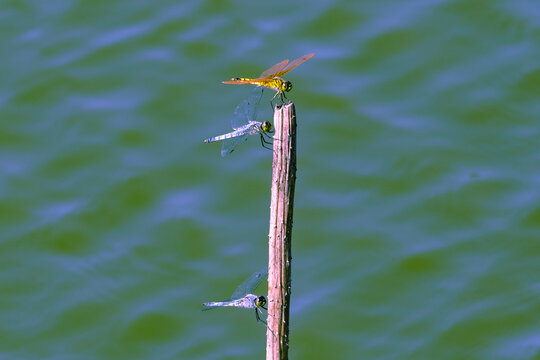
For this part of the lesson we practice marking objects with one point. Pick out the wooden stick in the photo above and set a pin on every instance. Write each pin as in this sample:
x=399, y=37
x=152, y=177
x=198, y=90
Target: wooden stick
x=281, y=220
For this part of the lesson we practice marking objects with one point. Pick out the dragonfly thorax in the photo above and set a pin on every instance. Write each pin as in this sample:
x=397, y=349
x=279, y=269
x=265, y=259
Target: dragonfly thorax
x=280, y=85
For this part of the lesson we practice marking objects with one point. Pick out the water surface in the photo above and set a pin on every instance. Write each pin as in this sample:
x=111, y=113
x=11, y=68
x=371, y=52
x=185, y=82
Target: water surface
x=416, y=218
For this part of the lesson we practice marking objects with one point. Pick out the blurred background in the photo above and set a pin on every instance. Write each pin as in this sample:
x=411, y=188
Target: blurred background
x=417, y=217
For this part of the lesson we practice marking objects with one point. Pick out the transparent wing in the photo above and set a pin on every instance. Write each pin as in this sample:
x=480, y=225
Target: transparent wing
x=240, y=115
x=274, y=69
x=231, y=143
x=294, y=64
x=248, y=286
x=245, y=111
x=253, y=100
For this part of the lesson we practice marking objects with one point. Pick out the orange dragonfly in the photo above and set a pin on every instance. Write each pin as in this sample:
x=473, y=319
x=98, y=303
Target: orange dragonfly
x=271, y=78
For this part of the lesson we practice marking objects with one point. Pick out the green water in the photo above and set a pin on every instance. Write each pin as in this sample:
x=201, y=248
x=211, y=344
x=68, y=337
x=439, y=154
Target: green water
x=417, y=218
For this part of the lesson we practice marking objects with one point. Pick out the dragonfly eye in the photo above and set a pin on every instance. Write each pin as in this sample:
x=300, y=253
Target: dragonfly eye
x=261, y=301
x=266, y=127
x=287, y=86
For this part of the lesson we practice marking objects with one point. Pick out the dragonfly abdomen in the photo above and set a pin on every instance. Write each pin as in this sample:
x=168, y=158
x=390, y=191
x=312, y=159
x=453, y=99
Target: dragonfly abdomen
x=226, y=136
x=275, y=83
x=245, y=302
x=219, y=303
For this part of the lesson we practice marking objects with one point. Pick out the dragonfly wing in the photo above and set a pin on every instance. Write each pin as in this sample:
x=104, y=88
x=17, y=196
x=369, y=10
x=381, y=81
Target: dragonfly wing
x=253, y=100
x=274, y=69
x=231, y=143
x=251, y=283
x=240, y=115
x=245, y=111
x=294, y=64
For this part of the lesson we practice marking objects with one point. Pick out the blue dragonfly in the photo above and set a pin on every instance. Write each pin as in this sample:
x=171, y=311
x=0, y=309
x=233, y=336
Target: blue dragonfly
x=244, y=124
x=243, y=296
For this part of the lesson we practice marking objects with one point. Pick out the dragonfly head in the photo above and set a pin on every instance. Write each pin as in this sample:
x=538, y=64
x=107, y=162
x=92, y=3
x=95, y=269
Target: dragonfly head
x=286, y=86
x=260, y=301
x=266, y=126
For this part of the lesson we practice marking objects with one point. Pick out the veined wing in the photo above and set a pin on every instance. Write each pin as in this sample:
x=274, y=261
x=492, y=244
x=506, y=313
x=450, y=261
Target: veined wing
x=251, y=283
x=245, y=111
x=240, y=115
x=293, y=64
x=253, y=100
x=273, y=70
x=231, y=143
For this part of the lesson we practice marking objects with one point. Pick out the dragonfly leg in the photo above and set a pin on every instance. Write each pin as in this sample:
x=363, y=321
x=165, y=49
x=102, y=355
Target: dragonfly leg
x=258, y=317
x=272, y=138
x=280, y=93
x=269, y=138
x=265, y=143
x=282, y=97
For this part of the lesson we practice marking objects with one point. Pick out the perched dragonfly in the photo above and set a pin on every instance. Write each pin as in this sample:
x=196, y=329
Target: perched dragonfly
x=243, y=297
x=244, y=124
x=271, y=78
